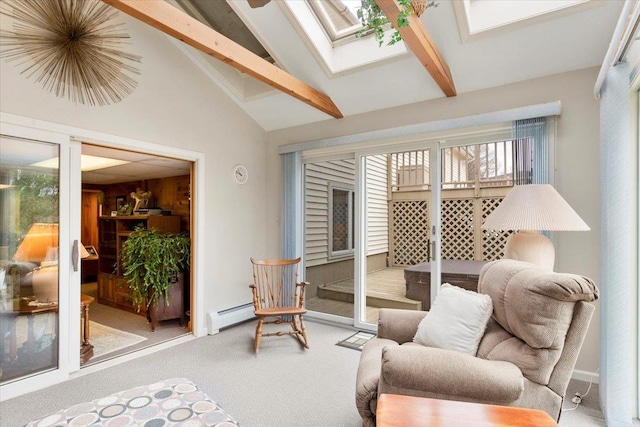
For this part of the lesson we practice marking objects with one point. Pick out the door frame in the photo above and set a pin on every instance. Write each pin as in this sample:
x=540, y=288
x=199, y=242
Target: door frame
x=70, y=140
x=360, y=258
x=66, y=234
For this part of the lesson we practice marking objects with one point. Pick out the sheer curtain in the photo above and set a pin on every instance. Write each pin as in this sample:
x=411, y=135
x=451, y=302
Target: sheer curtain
x=291, y=205
x=618, y=187
x=531, y=151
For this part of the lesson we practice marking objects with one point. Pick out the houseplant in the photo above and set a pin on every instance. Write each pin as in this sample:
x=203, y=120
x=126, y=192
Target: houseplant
x=373, y=19
x=151, y=262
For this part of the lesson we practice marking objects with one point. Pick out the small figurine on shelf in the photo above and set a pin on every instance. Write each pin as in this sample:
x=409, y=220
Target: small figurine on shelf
x=125, y=209
x=141, y=197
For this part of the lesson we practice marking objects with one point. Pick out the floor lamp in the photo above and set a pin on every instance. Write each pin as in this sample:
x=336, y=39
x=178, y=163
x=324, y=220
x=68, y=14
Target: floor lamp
x=530, y=209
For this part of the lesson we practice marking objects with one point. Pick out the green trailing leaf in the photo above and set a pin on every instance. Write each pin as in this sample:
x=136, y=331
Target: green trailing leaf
x=151, y=260
x=374, y=20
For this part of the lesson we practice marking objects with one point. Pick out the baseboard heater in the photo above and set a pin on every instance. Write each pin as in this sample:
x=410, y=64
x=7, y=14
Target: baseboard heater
x=217, y=320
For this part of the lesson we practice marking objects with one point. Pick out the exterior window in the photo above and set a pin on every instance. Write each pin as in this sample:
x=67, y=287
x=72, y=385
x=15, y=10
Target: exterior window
x=341, y=214
x=338, y=17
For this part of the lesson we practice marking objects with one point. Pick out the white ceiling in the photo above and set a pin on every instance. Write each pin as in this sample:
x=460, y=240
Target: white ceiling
x=563, y=43
x=140, y=167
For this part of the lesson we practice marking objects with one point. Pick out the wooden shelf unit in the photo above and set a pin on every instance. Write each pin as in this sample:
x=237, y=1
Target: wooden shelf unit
x=113, y=232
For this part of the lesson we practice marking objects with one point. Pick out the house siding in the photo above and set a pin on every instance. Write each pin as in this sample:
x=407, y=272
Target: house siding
x=318, y=177
x=377, y=205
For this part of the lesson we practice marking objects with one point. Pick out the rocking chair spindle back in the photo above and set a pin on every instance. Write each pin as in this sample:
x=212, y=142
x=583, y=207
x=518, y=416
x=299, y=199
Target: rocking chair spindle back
x=278, y=294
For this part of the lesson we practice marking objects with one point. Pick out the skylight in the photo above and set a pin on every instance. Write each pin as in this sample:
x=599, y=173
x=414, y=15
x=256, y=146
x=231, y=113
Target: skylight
x=483, y=17
x=329, y=28
x=337, y=17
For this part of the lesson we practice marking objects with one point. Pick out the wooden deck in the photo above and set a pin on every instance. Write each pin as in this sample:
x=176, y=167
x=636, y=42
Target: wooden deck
x=385, y=289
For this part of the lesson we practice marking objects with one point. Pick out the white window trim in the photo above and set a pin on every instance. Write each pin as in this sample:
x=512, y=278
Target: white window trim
x=635, y=117
x=332, y=255
x=442, y=129
x=332, y=33
x=478, y=19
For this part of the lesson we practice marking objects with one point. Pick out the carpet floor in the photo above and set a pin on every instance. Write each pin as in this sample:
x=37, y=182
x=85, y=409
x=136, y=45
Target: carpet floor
x=283, y=385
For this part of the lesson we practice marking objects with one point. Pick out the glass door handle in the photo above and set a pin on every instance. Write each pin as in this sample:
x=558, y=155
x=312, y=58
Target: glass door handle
x=74, y=255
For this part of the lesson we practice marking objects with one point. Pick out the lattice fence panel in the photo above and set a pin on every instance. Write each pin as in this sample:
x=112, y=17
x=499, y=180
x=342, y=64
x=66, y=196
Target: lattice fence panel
x=410, y=231
x=493, y=241
x=458, y=241
x=340, y=225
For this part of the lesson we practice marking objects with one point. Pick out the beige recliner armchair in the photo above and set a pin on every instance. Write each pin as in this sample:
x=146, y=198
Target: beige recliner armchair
x=525, y=358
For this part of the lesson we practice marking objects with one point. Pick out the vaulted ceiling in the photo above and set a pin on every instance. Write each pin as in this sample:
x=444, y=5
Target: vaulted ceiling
x=571, y=40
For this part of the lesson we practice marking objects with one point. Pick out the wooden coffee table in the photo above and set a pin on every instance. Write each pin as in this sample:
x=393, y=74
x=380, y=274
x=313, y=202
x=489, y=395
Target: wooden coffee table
x=394, y=410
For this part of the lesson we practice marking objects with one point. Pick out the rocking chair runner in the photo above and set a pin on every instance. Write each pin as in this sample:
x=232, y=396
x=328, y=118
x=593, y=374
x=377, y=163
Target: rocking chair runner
x=277, y=293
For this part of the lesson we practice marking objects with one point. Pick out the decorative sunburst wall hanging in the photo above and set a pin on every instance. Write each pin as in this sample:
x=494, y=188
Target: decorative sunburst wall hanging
x=73, y=47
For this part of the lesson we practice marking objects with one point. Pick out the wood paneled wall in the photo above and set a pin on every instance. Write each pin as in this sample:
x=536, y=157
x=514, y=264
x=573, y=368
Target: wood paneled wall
x=169, y=194
x=89, y=231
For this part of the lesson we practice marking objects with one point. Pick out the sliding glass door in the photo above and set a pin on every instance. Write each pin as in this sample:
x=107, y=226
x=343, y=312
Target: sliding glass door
x=367, y=217
x=36, y=275
x=330, y=235
x=394, y=229
x=398, y=257
x=29, y=247
x=383, y=228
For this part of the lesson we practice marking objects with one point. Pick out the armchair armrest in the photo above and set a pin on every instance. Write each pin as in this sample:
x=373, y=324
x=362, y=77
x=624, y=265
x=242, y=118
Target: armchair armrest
x=399, y=325
x=433, y=372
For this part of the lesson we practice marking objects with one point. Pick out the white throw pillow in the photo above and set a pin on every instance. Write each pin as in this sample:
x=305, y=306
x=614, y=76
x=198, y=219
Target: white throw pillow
x=457, y=320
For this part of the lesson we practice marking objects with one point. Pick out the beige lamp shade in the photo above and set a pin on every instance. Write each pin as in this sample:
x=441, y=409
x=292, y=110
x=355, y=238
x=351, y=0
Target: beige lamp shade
x=83, y=252
x=531, y=208
x=37, y=243
x=534, y=207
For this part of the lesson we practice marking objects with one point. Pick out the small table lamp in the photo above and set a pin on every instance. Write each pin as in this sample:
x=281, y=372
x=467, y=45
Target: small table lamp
x=531, y=208
x=40, y=246
x=40, y=238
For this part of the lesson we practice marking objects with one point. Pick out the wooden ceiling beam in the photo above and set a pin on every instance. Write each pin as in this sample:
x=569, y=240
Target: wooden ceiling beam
x=418, y=40
x=171, y=21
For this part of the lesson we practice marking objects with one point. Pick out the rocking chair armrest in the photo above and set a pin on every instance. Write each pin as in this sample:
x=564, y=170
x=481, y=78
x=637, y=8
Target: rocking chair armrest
x=303, y=284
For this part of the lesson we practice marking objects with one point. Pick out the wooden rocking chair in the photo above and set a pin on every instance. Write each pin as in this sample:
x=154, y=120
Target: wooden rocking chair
x=277, y=293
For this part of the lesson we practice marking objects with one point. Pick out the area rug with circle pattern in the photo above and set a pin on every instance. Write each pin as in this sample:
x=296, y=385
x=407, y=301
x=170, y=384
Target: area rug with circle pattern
x=176, y=401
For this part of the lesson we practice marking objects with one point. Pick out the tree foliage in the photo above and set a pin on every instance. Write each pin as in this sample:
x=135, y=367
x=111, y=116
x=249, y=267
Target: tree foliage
x=39, y=198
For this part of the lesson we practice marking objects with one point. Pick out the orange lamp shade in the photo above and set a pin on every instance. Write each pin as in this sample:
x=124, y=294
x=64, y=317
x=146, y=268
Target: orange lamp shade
x=39, y=239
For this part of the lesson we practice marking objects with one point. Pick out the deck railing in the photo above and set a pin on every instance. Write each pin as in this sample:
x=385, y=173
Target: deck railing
x=475, y=166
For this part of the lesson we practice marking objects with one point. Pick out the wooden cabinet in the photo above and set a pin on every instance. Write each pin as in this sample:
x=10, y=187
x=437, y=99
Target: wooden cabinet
x=106, y=288
x=175, y=310
x=113, y=232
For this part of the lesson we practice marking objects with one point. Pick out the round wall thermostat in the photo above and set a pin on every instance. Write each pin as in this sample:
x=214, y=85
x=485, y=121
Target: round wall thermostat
x=240, y=174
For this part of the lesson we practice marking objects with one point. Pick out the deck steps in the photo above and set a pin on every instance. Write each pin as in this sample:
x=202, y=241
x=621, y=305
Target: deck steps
x=374, y=298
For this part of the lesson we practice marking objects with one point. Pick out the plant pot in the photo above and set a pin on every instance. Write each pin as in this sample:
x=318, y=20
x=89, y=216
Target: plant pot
x=161, y=311
x=419, y=6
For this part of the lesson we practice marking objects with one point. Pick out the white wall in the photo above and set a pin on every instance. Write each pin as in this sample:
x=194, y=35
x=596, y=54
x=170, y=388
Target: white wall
x=576, y=157
x=176, y=105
